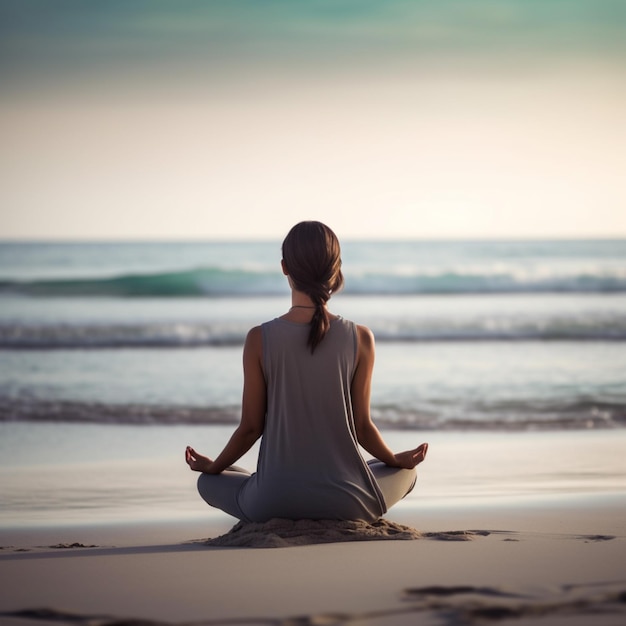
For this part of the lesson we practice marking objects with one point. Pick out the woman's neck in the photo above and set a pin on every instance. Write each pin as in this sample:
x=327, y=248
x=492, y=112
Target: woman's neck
x=302, y=308
x=300, y=300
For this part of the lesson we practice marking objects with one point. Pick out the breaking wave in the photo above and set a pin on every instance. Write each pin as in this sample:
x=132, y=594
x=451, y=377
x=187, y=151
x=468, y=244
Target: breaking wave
x=217, y=282
x=197, y=334
x=498, y=416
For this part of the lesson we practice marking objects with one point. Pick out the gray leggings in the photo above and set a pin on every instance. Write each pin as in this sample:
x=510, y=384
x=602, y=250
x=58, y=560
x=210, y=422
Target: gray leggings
x=220, y=490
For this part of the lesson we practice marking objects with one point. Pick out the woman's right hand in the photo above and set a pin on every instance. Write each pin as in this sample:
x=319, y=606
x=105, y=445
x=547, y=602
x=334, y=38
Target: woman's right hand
x=410, y=458
x=197, y=462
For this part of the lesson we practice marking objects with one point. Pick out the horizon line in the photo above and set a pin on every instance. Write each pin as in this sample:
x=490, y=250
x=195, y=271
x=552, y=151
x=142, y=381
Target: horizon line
x=346, y=238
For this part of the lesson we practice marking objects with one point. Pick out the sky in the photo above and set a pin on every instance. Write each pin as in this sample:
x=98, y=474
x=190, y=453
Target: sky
x=199, y=119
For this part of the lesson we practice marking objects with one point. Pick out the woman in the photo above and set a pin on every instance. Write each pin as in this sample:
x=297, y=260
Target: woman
x=307, y=380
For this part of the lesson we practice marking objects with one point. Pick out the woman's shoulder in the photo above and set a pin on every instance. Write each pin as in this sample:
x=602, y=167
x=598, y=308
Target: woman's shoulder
x=364, y=335
x=254, y=336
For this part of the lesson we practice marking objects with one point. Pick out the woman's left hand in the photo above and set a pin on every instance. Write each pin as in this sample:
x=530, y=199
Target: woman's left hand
x=197, y=462
x=411, y=458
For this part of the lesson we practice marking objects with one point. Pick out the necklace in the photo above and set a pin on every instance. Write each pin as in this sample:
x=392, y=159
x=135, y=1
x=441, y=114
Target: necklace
x=301, y=306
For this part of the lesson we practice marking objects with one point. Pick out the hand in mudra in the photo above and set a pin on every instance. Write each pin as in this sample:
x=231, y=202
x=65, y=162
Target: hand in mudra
x=410, y=458
x=197, y=462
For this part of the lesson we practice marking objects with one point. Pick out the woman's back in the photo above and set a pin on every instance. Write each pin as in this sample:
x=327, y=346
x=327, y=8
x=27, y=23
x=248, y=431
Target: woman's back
x=309, y=463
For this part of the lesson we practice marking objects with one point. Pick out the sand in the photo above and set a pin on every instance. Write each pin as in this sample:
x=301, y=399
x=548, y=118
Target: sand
x=563, y=563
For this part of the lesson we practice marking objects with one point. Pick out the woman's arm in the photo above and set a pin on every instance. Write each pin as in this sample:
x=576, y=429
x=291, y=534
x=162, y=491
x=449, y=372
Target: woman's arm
x=253, y=409
x=367, y=432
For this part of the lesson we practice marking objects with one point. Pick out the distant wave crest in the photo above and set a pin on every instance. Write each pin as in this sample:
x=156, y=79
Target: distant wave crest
x=217, y=282
x=198, y=282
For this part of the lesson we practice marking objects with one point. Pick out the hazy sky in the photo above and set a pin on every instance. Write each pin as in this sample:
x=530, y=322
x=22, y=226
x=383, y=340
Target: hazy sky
x=396, y=118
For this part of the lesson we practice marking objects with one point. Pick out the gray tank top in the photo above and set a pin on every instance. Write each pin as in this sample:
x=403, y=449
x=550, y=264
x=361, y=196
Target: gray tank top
x=310, y=465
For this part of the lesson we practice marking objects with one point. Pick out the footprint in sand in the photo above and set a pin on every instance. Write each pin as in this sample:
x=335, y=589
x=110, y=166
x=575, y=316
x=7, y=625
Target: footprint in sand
x=594, y=538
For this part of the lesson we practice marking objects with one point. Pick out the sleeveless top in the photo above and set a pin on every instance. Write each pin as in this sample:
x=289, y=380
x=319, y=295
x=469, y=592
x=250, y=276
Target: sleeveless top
x=310, y=465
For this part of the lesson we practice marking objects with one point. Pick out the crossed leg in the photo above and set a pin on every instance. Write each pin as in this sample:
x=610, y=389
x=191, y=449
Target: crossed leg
x=221, y=490
x=394, y=482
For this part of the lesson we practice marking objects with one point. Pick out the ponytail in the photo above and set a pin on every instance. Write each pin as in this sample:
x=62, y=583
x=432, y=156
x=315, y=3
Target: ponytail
x=320, y=323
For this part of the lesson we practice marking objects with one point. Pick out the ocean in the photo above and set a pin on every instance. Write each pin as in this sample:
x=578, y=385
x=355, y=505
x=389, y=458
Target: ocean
x=113, y=356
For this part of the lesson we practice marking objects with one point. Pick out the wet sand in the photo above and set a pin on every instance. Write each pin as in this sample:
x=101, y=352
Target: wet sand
x=546, y=565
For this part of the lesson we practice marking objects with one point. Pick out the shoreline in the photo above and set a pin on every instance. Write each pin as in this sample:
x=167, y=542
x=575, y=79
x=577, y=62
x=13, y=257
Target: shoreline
x=523, y=514
x=109, y=474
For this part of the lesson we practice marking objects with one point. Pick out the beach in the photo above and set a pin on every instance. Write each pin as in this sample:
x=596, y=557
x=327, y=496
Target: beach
x=507, y=358
x=536, y=556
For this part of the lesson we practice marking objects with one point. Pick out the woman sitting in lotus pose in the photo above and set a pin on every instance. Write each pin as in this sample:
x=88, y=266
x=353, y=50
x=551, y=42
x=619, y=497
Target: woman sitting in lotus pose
x=307, y=380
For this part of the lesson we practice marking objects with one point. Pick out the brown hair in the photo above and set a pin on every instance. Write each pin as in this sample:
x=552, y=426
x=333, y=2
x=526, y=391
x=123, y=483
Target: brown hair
x=312, y=258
